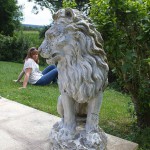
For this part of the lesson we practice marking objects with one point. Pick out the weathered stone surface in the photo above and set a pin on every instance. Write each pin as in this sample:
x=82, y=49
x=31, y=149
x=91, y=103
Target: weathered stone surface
x=25, y=128
x=79, y=141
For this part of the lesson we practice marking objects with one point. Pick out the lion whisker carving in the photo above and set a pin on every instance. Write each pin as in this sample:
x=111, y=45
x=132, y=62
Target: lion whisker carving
x=74, y=43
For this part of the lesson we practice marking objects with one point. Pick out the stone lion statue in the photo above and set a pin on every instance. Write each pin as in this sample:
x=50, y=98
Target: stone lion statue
x=73, y=42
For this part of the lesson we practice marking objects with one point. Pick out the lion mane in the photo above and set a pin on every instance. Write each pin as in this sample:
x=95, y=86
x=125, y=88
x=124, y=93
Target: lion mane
x=82, y=64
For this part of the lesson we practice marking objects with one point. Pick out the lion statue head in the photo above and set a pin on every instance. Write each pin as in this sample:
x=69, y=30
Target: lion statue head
x=77, y=46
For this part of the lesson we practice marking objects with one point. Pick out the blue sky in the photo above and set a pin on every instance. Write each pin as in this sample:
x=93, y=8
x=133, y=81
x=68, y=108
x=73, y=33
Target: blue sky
x=42, y=18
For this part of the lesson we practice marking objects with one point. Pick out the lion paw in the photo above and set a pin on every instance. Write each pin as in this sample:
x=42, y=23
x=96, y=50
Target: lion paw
x=65, y=134
x=58, y=125
x=93, y=138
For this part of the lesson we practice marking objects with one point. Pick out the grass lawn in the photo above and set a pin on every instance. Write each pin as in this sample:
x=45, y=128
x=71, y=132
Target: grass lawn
x=115, y=118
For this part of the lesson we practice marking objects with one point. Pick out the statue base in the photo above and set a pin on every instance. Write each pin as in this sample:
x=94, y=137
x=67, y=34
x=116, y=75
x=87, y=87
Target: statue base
x=80, y=140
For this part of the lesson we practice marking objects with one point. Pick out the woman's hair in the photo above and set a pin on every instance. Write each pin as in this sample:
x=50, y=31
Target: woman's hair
x=32, y=51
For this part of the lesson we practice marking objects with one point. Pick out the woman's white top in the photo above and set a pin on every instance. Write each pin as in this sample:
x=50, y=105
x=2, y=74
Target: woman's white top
x=36, y=74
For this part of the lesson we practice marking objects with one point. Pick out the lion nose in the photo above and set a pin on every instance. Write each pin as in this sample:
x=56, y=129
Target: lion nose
x=42, y=46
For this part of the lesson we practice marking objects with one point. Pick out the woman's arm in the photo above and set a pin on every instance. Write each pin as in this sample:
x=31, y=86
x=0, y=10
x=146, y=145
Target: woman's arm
x=20, y=76
x=26, y=78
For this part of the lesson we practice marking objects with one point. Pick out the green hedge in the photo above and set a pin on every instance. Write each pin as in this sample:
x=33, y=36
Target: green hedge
x=13, y=48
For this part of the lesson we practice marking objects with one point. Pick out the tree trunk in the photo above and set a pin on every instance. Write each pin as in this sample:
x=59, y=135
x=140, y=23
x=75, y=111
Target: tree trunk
x=142, y=112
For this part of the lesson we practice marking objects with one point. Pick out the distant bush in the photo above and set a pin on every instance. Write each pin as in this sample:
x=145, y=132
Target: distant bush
x=31, y=36
x=35, y=41
x=14, y=49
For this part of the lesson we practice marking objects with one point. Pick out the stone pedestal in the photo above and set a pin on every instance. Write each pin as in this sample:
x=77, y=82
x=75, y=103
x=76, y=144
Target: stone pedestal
x=80, y=141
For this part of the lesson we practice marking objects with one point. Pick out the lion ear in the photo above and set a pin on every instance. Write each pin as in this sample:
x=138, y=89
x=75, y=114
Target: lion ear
x=69, y=13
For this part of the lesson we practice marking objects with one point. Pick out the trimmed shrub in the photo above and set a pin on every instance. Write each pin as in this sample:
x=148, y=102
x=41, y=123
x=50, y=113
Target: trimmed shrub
x=13, y=48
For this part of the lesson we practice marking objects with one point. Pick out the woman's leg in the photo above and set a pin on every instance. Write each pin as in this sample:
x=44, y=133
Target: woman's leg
x=48, y=78
x=48, y=68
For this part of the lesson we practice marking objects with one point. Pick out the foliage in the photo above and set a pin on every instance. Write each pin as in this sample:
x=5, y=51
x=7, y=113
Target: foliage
x=114, y=116
x=68, y=3
x=15, y=48
x=43, y=30
x=32, y=36
x=10, y=16
x=125, y=28
x=54, y=5
x=35, y=41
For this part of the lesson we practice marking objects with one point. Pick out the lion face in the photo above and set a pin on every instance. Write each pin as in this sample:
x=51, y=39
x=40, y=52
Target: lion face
x=52, y=43
x=56, y=42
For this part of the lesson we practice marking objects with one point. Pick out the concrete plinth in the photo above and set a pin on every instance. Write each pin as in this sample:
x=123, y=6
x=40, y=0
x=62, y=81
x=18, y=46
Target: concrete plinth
x=25, y=128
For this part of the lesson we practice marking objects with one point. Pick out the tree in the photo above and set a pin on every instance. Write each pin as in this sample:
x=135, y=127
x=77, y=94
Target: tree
x=125, y=28
x=9, y=16
x=54, y=5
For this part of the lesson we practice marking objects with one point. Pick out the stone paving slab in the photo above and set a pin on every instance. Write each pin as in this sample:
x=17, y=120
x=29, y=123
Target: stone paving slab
x=25, y=128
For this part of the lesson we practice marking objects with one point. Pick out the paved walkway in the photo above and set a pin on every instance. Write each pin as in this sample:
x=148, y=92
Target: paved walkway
x=25, y=128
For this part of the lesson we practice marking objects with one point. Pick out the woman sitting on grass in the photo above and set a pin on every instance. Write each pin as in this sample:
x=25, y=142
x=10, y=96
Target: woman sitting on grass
x=32, y=73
